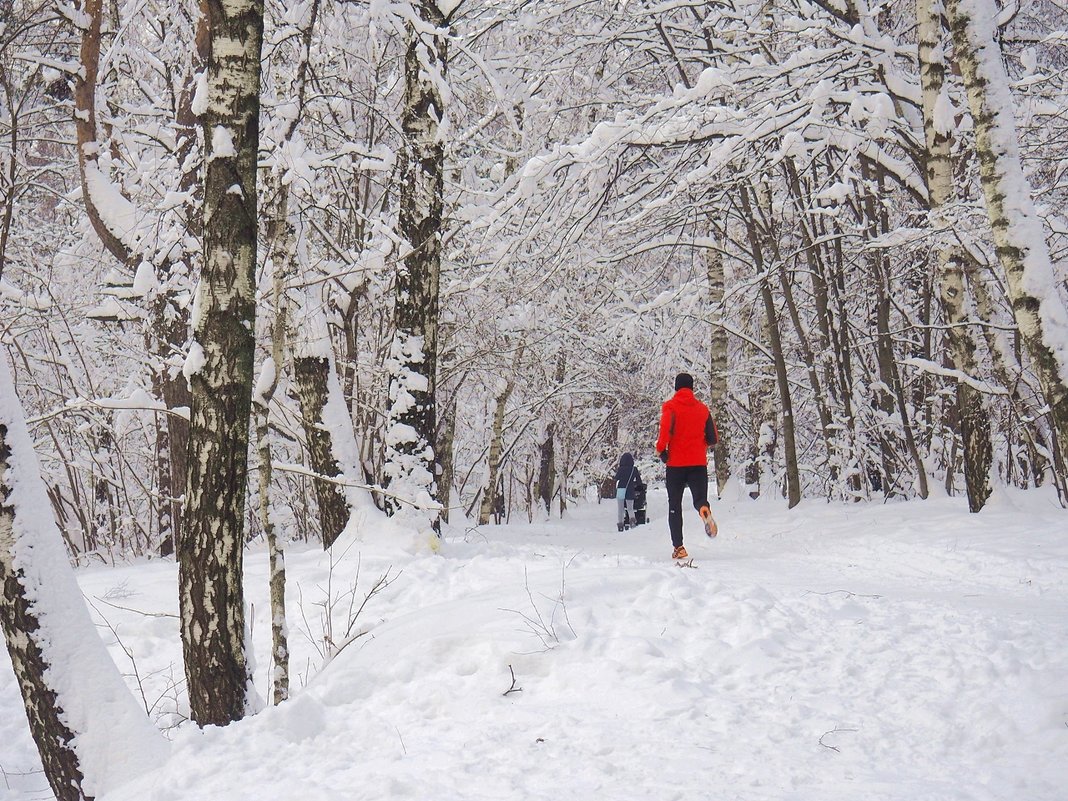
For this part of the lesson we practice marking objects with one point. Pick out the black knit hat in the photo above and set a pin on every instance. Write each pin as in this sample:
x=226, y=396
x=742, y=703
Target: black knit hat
x=683, y=381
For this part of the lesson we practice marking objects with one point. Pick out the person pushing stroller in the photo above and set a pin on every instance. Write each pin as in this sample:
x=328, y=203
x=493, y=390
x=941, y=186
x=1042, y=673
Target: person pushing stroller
x=628, y=482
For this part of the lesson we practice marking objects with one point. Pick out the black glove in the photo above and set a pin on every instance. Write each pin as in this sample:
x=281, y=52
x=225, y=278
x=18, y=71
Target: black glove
x=664, y=456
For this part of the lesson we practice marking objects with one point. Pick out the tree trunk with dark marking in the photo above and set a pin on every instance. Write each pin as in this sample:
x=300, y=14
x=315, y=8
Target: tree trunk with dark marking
x=311, y=375
x=974, y=421
x=43, y=710
x=411, y=464
x=1019, y=236
x=219, y=369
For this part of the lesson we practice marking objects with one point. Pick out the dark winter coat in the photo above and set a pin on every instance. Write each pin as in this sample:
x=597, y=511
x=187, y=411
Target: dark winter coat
x=627, y=475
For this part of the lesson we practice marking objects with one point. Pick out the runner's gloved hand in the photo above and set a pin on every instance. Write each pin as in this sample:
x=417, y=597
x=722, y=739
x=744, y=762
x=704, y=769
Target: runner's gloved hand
x=664, y=456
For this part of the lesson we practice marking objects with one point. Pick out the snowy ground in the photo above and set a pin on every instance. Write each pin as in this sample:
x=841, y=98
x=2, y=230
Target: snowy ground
x=903, y=651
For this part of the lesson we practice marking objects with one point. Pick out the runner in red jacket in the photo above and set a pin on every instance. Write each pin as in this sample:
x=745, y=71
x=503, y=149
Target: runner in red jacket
x=687, y=431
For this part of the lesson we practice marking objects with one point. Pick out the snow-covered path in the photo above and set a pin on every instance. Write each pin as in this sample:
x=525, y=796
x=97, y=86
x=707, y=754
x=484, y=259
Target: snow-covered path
x=902, y=651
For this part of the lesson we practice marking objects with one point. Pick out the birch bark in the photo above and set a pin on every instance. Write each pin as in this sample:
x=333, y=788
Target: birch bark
x=219, y=369
x=27, y=648
x=88, y=728
x=411, y=464
x=974, y=421
x=265, y=390
x=311, y=374
x=1019, y=238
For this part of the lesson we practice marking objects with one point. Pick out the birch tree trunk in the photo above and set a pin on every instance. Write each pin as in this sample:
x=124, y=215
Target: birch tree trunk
x=88, y=728
x=718, y=363
x=312, y=362
x=411, y=464
x=1019, y=237
x=44, y=708
x=265, y=390
x=974, y=421
x=219, y=369
x=312, y=376
x=282, y=243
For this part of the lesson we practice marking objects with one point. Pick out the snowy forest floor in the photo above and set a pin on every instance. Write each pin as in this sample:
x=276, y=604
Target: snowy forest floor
x=833, y=652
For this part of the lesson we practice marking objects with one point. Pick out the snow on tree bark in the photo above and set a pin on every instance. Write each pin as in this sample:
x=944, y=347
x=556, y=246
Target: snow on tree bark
x=411, y=465
x=975, y=423
x=107, y=209
x=312, y=354
x=22, y=630
x=265, y=389
x=311, y=374
x=332, y=448
x=278, y=231
x=1019, y=238
x=88, y=728
x=210, y=566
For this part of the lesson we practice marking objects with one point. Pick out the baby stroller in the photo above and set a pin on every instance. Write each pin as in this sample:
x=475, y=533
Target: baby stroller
x=640, y=517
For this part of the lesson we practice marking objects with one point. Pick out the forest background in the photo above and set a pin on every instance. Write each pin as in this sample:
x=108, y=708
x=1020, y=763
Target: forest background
x=743, y=190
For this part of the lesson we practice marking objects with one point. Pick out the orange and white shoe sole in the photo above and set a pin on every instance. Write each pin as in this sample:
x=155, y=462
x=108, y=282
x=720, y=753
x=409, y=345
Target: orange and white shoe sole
x=711, y=529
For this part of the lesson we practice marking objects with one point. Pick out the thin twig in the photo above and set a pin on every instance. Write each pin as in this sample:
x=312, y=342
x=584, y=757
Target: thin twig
x=835, y=730
x=513, y=688
x=847, y=593
x=137, y=611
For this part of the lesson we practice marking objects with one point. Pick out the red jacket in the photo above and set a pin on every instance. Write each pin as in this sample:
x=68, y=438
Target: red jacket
x=686, y=430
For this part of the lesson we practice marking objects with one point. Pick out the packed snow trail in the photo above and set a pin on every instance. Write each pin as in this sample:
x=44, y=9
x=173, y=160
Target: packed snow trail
x=898, y=651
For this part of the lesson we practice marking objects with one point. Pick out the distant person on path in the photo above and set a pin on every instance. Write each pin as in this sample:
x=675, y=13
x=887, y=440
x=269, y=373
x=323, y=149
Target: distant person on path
x=627, y=481
x=687, y=431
